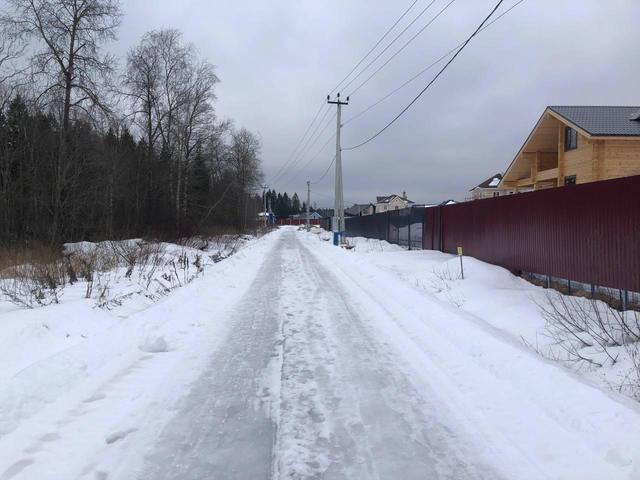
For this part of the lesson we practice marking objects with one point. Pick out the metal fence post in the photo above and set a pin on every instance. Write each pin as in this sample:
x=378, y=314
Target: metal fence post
x=409, y=229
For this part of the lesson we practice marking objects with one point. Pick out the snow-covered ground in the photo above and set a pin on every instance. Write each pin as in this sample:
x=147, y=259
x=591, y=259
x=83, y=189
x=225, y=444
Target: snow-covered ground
x=513, y=306
x=296, y=359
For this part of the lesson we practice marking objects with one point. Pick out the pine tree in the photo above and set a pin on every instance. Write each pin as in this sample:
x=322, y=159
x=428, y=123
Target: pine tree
x=295, y=204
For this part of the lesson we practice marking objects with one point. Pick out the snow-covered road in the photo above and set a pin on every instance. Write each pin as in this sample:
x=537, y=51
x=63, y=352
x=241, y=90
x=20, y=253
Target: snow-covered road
x=305, y=361
x=303, y=389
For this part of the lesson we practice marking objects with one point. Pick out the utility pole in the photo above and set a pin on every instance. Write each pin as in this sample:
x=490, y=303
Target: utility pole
x=264, y=205
x=338, y=212
x=308, y=202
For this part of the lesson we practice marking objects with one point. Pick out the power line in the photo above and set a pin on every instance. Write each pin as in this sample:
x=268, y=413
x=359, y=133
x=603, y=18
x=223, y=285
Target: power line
x=402, y=48
x=307, y=146
x=301, y=140
x=429, y=67
x=295, y=175
x=325, y=172
x=389, y=30
x=375, y=46
x=402, y=112
x=424, y=10
x=317, y=154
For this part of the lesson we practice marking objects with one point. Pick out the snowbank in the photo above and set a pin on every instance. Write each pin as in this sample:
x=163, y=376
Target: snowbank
x=112, y=312
x=500, y=300
x=372, y=245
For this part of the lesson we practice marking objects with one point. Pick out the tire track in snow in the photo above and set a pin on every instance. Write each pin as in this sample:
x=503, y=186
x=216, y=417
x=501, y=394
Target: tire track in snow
x=225, y=427
x=374, y=423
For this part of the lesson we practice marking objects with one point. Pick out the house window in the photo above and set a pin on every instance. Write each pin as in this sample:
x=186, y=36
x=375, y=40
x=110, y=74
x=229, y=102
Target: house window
x=496, y=194
x=570, y=139
x=569, y=180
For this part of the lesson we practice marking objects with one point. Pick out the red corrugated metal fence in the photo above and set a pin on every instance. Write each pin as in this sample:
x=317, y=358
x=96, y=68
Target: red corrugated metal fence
x=296, y=221
x=587, y=233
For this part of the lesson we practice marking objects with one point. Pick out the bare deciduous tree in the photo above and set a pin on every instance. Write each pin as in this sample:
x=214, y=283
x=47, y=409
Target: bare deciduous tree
x=68, y=59
x=244, y=157
x=174, y=93
x=68, y=62
x=77, y=162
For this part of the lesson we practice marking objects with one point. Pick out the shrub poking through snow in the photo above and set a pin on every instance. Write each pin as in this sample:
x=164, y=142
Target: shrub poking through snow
x=589, y=333
x=112, y=272
x=33, y=278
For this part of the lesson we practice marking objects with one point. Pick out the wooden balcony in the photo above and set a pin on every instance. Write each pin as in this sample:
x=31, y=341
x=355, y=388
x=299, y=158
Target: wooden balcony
x=550, y=174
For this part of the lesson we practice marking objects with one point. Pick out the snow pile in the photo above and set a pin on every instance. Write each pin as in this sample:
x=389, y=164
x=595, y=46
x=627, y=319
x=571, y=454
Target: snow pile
x=372, y=245
x=156, y=345
x=321, y=233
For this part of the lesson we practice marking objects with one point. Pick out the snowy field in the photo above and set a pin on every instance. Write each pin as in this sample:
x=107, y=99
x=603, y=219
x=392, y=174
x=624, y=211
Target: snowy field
x=296, y=359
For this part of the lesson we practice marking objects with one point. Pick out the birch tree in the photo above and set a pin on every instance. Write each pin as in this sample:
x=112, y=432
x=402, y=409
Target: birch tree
x=174, y=93
x=67, y=36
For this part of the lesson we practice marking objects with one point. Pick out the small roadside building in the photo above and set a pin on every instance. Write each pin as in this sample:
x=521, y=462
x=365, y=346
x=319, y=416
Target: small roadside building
x=577, y=144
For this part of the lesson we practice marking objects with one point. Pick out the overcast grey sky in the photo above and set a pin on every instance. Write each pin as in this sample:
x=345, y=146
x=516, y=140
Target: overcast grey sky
x=278, y=59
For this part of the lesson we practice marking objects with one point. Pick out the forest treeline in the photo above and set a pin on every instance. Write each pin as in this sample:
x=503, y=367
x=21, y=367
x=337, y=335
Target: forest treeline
x=283, y=205
x=95, y=147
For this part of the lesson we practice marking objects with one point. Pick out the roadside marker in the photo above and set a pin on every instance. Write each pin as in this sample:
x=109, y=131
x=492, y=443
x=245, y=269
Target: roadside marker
x=461, y=267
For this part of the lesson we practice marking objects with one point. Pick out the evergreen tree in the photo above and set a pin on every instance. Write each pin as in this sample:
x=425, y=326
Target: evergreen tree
x=295, y=204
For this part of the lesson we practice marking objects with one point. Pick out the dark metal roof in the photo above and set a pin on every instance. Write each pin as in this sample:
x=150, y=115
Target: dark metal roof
x=602, y=121
x=357, y=208
x=388, y=198
x=488, y=182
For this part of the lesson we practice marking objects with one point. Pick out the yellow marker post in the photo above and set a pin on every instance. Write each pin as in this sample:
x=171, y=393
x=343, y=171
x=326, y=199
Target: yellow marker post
x=461, y=267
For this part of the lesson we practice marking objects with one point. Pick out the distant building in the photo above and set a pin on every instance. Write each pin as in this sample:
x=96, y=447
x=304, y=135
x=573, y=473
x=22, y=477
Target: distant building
x=325, y=212
x=392, y=202
x=267, y=218
x=360, y=209
x=303, y=216
x=489, y=188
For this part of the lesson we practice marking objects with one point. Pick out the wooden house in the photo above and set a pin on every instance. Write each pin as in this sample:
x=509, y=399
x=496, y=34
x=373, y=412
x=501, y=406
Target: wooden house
x=571, y=145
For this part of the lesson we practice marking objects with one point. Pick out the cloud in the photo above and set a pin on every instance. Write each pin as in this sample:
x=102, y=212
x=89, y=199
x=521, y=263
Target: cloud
x=278, y=59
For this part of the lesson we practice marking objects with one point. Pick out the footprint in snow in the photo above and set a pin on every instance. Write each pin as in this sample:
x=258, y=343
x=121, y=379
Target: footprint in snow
x=50, y=437
x=95, y=398
x=116, y=436
x=16, y=468
x=157, y=345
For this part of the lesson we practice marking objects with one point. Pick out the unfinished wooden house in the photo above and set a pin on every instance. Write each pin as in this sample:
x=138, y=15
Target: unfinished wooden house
x=571, y=145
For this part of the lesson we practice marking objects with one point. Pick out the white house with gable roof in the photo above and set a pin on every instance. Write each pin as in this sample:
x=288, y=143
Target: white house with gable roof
x=392, y=202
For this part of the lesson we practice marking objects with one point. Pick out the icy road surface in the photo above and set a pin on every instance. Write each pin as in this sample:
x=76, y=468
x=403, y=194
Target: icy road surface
x=321, y=366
